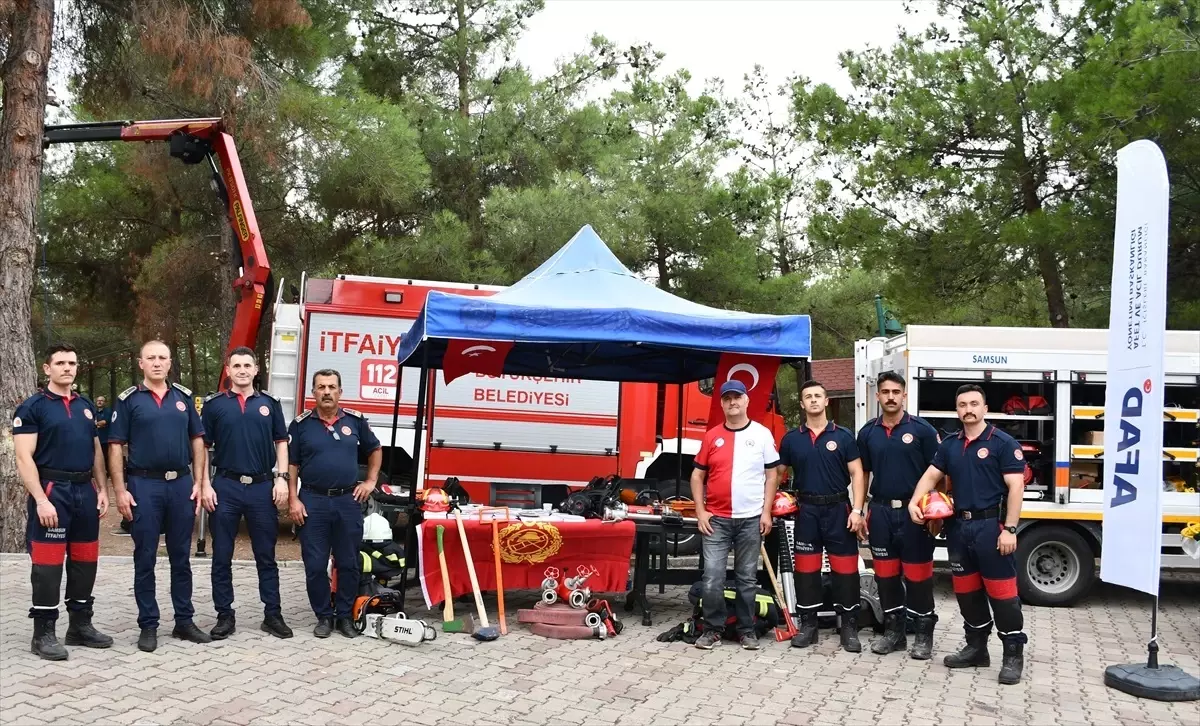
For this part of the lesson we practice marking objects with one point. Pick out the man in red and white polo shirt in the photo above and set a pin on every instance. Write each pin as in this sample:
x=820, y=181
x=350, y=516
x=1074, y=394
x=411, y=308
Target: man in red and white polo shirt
x=734, y=475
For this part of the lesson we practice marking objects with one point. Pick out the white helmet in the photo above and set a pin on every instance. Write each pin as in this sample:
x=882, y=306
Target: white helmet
x=376, y=528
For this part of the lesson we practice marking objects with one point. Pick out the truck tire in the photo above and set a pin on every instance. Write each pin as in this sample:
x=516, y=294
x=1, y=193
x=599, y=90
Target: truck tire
x=682, y=544
x=1055, y=566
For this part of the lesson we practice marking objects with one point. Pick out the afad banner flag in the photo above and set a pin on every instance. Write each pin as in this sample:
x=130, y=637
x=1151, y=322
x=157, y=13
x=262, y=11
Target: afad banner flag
x=756, y=372
x=474, y=356
x=1133, y=401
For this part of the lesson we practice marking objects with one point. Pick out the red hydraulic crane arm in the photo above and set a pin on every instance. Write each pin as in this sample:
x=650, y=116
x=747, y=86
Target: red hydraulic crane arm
x=194, y=141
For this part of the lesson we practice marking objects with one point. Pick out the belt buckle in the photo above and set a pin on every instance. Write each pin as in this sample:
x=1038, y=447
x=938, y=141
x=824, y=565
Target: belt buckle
x=966, y=514
x=897, y=504
x=246, y=479
x=171, y=475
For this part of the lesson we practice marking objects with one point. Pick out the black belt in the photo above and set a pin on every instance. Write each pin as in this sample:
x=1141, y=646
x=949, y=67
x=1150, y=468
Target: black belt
x=329, y=492
x=59, y=475
x=157, y=474
x=243, y=478
x=824, y=498
x=993, y=513
x=891, y=503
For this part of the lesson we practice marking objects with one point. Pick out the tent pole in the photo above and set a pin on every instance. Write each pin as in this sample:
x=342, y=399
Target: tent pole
x=679, y=437
x=391, y=465
x=410, y=530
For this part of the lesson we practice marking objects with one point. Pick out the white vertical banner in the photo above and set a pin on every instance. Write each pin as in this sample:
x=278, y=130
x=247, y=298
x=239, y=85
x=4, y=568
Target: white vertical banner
x=1133, y=405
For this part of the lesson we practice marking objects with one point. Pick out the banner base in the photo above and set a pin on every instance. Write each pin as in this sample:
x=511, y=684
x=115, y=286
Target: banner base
x=1165, y=683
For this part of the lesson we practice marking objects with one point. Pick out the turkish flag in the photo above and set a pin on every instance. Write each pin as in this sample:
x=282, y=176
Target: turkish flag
x=756, y=371
x=474, y=356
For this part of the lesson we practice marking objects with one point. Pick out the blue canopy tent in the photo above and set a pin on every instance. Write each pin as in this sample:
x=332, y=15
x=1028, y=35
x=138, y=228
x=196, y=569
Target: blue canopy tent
x=582, y=314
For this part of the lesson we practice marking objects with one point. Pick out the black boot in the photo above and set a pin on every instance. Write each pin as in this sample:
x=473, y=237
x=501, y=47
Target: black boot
x=225, y=627
x=345, y=626
x=808, y=631
x=850, y=642
x=81, y=632
x=45, y=643
x=189, y=632
x=923, y=638
x=1013, y=663
x=148, y=640
x=324, y=627
x=894, y=638
x=974, y=654
x=274, y=625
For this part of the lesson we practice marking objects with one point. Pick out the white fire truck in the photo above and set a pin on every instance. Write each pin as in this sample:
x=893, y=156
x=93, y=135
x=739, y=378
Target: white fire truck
x=1045, y=387
x=515, y=440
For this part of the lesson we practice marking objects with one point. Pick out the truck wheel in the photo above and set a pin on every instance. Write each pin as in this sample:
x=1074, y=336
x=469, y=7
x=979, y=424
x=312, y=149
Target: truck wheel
x=673, y=490
x=1055, y=566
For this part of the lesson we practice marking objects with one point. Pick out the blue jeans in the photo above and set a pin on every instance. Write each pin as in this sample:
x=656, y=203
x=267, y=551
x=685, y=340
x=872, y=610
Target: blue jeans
x=743, y=537
x=162, y=503
x=234, y=500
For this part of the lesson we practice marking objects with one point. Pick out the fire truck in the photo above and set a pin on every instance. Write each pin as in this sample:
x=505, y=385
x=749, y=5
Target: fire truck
x=1045, y=387
x=515, y=440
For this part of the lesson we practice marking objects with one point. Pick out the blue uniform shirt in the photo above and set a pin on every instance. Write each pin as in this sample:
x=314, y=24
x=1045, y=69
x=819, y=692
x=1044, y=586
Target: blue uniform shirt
x=65, y=428
x=102, y=416
x=897, y=456
x=243, y=431
x=820, y=460
x=976, y=467
x=158, y=431
x=327, y=453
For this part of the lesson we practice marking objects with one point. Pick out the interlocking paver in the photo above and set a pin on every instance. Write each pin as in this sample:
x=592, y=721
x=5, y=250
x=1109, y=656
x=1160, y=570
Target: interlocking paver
x=253, y=678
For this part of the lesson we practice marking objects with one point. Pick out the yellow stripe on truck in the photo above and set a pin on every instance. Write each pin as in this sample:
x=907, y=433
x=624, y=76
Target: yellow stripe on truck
x=1098, y=516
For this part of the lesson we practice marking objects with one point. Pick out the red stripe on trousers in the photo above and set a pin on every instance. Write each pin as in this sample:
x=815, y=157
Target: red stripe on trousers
x=1005, y=589
x=918, y=571
x=967, y=583
x=84, y=551
x=807, y=563
x=887, y=568
x=47, y=553
x=843, y=564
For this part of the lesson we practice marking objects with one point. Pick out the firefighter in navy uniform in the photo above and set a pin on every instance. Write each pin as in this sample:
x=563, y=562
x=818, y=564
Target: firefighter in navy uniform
x=159, y=423
x=323, y=449
x=248, y=434
x=986, y=469
x=896, y=450
x=61, y=465
x=826, y=463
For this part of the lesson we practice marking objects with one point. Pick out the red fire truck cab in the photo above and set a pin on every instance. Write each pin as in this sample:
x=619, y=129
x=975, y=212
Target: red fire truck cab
x=512, y=439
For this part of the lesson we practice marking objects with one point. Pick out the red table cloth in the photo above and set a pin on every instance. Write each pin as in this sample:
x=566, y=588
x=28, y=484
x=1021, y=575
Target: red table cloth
x=527, y=549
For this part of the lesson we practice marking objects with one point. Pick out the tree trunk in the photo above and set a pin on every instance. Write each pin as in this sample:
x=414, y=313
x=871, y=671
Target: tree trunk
x=464, y=68
x=23, y=74
x=193, y=381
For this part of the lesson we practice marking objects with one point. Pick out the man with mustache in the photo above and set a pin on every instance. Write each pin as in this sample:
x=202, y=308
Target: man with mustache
x=986, y=467
x=825, y=461
x=160, y=424
x=323, y=454
x=896, y=450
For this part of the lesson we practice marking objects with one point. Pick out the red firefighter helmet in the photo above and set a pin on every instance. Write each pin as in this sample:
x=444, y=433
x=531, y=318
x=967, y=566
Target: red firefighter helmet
x=434, y=499
x=784, y=504
x=937, y=505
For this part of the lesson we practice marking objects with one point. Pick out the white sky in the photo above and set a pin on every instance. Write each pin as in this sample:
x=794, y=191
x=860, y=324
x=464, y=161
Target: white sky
x=723, y=38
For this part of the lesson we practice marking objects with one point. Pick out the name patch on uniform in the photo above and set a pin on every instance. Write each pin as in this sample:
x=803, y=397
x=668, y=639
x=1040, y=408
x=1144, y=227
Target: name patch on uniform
x=345, y=430
x=982, y=453
x=264, y=410
x=179, y=405
x=87, y=412
x=907, y=438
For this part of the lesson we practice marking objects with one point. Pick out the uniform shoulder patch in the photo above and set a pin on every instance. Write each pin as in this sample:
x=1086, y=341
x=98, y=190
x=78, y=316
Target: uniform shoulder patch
x=352, y=412
x=304, y=415
x=211, y=396
x=186, y=391
x=270, y=395
x=125, y=394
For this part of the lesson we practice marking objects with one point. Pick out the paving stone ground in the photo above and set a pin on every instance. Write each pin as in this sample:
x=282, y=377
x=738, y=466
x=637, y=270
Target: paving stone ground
x=524, y=679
